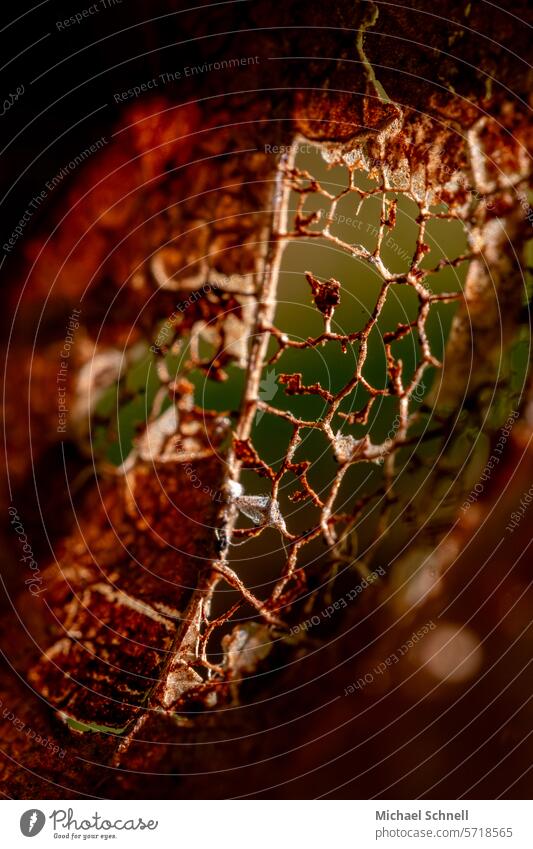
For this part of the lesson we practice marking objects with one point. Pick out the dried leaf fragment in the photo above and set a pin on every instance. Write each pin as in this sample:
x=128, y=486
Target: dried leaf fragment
x=294, y=386
x=325, y=295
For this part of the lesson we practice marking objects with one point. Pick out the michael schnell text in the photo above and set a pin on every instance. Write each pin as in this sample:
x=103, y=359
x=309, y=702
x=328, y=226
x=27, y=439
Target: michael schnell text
x=393, y=816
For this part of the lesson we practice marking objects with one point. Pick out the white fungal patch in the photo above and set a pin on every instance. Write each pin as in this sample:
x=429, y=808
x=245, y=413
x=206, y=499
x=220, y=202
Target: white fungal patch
x=348, y=449
x=263, y=510
x=235, y=489
x=178, y=682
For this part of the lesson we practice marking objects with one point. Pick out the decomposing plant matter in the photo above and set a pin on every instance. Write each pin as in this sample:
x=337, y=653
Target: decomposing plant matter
x=155, y=625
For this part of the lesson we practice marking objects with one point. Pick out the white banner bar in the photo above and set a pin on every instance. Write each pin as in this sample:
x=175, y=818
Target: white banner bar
x=267, y=824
